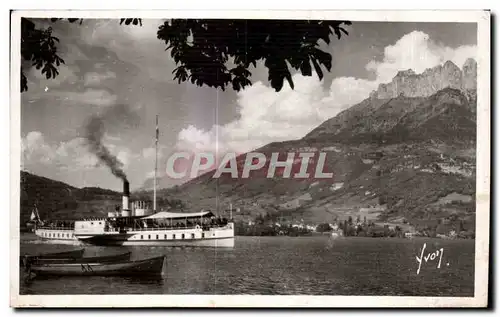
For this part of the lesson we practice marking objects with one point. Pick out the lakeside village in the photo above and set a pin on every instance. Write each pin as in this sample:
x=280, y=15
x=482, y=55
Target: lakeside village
x=267, y=226
x=270, y=224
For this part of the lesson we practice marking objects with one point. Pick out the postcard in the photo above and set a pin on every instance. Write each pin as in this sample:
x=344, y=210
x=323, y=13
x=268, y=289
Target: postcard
x=250, y=158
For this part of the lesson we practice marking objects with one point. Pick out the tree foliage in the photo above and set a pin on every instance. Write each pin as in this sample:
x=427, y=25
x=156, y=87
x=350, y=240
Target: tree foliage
x=203, y=48
x=39, y=47
x=214, y=53
x=323, y=227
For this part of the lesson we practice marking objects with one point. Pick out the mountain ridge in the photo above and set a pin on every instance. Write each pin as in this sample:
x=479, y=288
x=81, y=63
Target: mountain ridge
x=378, y=120
x=403, y=158
x=411, y=84
x=398, y=158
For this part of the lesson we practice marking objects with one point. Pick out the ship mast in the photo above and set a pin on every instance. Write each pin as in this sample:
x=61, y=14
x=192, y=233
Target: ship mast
x=156, y=165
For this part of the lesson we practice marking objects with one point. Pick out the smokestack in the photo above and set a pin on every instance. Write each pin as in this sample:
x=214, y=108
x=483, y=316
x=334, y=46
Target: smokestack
x=126, y=195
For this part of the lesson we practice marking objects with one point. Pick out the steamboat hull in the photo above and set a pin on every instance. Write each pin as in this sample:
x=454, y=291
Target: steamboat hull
x=62, y=236
x=159, y=238
x=217, y=243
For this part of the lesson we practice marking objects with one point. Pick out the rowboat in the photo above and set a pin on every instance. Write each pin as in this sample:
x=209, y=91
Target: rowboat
x=74, y=254
x=59, y=255
x=95, y=259
x=141, y=268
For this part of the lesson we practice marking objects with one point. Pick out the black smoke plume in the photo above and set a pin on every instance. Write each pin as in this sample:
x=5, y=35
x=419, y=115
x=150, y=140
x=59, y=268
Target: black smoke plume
x=95, y=134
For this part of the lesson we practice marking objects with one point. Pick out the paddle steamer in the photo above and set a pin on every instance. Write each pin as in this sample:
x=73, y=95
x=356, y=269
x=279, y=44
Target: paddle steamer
x=139, y=224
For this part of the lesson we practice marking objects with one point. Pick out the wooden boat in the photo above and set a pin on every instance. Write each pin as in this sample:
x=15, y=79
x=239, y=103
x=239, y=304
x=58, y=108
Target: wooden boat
x=95, y=259
x=141, y=268
x=74, y=254
x=59, y=255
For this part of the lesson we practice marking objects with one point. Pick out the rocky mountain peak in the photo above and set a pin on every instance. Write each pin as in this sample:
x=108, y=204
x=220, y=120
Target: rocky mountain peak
x=448, y=75
x=470, y=74
x=470, y=62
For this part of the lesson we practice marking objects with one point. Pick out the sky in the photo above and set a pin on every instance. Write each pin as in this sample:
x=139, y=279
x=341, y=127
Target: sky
x=124, y=75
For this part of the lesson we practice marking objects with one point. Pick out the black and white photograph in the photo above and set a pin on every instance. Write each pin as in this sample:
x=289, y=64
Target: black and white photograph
x=305, y=158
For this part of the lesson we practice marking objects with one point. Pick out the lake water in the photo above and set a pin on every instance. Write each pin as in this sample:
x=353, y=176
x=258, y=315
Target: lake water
x=318, y=265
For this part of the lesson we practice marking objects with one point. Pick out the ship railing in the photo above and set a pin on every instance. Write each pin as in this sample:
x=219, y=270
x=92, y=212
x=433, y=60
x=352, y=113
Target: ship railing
x=55, y=228
x=205, y=228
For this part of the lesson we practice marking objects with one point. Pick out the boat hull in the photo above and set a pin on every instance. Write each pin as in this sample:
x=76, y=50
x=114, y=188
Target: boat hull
x=96, y=259
x=59, y=255
x=217, y=243
x=185, y=237
x=73, y=254
x=60, y=235
x=149, y=267
x=219, y=237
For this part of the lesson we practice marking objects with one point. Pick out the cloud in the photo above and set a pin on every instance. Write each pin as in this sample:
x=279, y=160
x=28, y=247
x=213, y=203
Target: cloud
x=71, y=155
x=137, y=45
x=267, y=116
x=148, y=153
x=74, y=154
x=67, y=74
x=34, y=148
x=124, y=157
x=417, y=51
x=97, y=97
x=94, y=78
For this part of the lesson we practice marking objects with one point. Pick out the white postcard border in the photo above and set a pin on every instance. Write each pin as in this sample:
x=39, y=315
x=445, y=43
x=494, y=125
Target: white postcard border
x=482, y=18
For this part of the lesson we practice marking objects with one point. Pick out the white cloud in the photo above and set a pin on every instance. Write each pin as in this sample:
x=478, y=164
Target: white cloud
x=71, y=155
x=34, y=148
x=267, y=116
x=197, y=140
x=124, y=157
x=417, y=51
x=94, y=78
x=137, y=45
x=98, y=97
x=148, y=153
x=38, y=81
x=75, y=154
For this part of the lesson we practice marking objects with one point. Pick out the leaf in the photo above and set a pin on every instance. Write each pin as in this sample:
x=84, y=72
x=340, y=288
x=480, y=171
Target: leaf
x=317, y=68
x=278, y=70
x=24, y=82
x=305, y=68
x=337, y=32
x=289, y=79
x=323, y=58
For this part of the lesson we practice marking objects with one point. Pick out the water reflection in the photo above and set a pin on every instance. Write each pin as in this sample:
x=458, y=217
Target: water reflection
x=282, y=265
x=94, y=284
